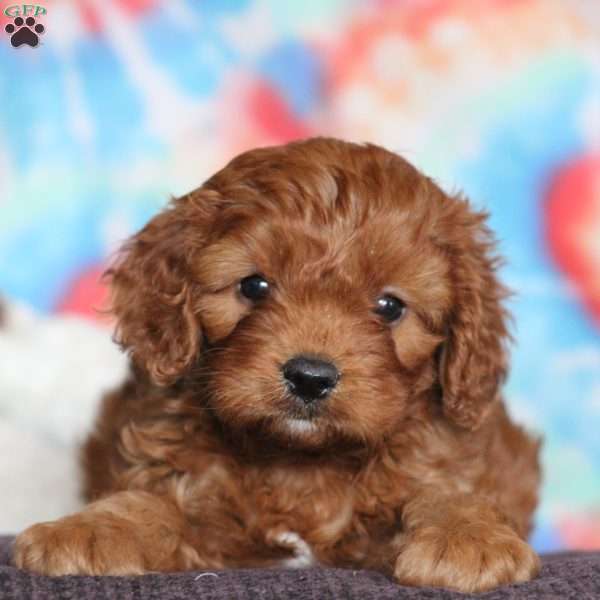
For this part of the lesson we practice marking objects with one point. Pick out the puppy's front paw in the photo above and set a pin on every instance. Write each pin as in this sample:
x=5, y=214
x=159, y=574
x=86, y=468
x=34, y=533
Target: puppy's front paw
x=468, y=559
x=79, y=545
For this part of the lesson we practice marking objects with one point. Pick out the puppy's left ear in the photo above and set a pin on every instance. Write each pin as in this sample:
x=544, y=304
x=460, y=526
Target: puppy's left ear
x=154, y=292
x=474, y=356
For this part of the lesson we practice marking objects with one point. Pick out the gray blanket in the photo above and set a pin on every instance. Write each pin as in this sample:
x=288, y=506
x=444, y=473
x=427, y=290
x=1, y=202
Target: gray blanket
x=574, y=576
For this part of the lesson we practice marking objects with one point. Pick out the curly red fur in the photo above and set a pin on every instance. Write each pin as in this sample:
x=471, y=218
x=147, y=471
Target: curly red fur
x=411, y=465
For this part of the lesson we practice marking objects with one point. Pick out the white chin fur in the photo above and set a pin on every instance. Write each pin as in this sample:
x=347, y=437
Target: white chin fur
x=300, y=426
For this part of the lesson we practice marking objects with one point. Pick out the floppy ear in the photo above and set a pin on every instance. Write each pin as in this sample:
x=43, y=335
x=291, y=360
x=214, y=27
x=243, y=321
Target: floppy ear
x=153, y=293
x=474, y=356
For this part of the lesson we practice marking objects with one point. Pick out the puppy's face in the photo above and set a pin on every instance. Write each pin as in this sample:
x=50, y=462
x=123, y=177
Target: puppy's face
x=321, y=329
x=313, y=290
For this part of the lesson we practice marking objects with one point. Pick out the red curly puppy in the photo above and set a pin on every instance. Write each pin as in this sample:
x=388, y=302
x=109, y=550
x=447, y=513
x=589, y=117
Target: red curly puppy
x=319, y=343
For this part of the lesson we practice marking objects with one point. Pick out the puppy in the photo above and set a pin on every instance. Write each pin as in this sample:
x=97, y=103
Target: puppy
x=318, y=343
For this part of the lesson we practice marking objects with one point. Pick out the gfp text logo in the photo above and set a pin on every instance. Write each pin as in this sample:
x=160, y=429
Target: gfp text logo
x=24, y=10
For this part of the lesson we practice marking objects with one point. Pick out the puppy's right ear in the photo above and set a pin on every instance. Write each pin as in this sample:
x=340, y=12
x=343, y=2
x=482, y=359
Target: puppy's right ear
x=153, y=294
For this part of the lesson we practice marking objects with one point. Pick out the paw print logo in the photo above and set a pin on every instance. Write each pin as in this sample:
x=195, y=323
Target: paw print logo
x=24, y=32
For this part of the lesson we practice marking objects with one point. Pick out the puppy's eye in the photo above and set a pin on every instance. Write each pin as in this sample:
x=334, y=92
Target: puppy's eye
x=255, y=287
x=389, y=308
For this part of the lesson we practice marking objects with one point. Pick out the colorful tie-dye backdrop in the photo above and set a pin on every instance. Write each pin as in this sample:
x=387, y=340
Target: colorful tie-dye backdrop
x=125, y=102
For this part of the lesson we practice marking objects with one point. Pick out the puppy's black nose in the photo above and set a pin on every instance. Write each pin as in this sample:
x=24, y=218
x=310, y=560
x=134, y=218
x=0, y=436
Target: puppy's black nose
x=310, y=378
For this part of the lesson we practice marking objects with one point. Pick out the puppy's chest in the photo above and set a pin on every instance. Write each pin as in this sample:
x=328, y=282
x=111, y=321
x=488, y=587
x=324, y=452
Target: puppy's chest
x=308, y=495
x=321, y=505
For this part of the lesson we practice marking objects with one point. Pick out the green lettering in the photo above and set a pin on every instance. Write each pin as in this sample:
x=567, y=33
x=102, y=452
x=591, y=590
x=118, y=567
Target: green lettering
x=12, y=11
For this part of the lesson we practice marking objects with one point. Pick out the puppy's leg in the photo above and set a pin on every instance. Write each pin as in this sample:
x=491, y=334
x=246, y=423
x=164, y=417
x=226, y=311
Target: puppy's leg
x=461, y=542
x=123, y=534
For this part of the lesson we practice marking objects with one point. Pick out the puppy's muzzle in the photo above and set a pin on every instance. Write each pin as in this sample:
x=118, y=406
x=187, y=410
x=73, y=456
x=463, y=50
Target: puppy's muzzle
x=310, y=379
